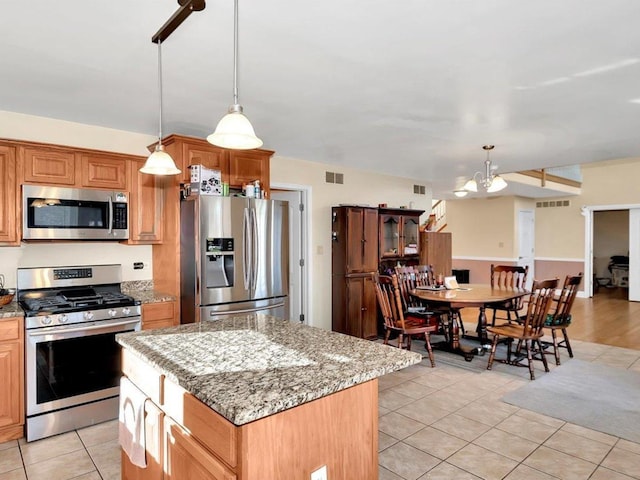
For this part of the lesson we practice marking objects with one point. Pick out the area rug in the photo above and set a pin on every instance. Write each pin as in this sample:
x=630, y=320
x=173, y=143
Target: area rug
x=591, y=395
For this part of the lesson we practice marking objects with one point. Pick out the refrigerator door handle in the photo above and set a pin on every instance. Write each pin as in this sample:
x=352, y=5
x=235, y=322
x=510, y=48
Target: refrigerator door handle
x=254, y=249
x=214, y=313
x=246, y=249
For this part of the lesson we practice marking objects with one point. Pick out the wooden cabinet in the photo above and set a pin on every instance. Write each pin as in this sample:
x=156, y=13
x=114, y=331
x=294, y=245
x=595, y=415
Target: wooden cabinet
x=9, y=223
x=247, y=166
x=159, y=315
x=49, y=165
x=146, y=205
x=354, y=255
x=154, y=444
x=195, y=153
x=100, y=170
x=435, y=250
x=11, y=378
x=399, y=235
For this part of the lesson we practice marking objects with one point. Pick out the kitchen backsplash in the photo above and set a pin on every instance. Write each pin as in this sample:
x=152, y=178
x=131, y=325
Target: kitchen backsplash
x=75, y=254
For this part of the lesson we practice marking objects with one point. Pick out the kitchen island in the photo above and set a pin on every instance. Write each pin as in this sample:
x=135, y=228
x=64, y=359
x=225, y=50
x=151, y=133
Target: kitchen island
x=256, y=397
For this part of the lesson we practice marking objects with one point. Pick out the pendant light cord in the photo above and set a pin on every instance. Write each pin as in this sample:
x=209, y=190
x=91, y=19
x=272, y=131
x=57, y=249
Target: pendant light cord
x=160, y=93
x=235, y=52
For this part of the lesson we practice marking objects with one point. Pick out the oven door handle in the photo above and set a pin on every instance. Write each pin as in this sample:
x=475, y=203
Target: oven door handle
x=40, y=333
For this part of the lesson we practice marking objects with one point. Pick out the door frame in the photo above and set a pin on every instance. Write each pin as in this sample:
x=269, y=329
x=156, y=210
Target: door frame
x=306, y=227
x=587, y=212
x=532, y=257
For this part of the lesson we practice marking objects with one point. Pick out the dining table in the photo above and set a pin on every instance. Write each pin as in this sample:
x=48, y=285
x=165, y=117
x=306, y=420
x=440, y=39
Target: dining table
x=465, y=296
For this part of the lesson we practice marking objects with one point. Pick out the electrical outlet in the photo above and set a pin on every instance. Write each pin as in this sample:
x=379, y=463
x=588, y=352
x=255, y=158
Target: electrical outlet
x=320, y=474
x=138, y=265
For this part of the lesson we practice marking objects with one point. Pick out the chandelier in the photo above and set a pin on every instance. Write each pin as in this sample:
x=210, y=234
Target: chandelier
x=490, y=182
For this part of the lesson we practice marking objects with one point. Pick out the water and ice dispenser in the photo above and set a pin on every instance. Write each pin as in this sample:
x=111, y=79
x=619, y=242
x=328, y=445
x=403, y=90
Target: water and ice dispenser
x=219, y=264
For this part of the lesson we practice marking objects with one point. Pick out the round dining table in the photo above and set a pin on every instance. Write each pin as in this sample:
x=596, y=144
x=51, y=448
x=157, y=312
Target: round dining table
x=466, y=295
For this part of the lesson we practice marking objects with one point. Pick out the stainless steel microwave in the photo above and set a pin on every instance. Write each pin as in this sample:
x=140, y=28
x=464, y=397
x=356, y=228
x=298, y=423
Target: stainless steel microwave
x=54, y=213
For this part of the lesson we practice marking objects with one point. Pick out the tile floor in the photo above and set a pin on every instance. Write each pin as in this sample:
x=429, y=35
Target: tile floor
x=430, y=428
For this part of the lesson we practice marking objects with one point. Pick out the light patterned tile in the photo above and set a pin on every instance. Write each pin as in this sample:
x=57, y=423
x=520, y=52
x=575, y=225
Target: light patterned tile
x=435, y=381
x=525, y=428
x=504, y=443
x=461, y=427
x=18, y=474
x=540, y=418
x=393, y=400
x=52, y=447
x=100, y=433
x=385, y=441
x=382, y=411
x=630, y=446
x=413, y=389
x=62, y=467
x=559, y=464
x=89, y=476
x=588, y=433
x=10, y=459
x=522, y=472
x=384, y=474
x=9, y=444
x=447, y=400
x=388, y=381
x=446, y=471
x=406, y=461
x=107, y=459
x=578, y=446
x=423, y=411
x=398, y=426
x=489, y=412
x=435, y=442
x=623, y=461
x=602, y=473
x=483, y=463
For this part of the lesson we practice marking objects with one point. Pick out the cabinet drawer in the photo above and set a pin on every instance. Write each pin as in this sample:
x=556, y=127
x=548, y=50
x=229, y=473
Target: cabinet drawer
x=10, y=329
x=152, y=312
x=210, y=428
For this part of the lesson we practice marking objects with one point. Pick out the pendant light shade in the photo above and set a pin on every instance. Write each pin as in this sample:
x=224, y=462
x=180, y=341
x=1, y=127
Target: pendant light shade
x=490, y=181
x=234, y=129
x=160, y=162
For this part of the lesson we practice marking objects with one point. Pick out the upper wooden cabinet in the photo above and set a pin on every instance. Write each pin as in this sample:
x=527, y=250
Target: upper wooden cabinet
x=9, y=227
x=355, y=239
x=237, y=167
x=146, y=205
x=399, y=233
x=49, y=165
x=103, y=171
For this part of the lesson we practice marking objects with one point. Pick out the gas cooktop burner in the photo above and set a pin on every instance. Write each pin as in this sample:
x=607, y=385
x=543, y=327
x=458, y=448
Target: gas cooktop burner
x=66, y=302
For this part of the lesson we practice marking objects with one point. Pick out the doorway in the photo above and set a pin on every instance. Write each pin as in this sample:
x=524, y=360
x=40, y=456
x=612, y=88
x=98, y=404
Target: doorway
x=526, y=243
x=298, y=197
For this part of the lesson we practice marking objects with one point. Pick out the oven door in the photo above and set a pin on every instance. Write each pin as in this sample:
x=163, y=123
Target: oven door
x=74, y=364
x=73, y=213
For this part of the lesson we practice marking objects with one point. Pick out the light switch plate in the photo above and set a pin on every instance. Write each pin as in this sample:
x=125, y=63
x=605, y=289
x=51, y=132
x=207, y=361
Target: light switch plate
x=320, y=474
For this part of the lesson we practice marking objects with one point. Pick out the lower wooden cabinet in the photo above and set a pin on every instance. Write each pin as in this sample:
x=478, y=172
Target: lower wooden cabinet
x=159, y=315
x=153, y=435
x=355, y=306
x=11, y=378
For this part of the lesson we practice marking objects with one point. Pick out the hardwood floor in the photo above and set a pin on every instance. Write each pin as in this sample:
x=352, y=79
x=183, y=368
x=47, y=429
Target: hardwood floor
x=607, y=318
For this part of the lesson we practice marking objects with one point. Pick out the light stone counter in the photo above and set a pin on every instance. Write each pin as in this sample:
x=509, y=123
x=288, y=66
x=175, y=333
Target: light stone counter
x=11, y=309
x=248, y=367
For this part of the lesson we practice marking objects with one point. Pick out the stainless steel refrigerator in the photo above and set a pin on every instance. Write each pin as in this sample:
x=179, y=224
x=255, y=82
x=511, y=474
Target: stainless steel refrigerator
x=234, y=257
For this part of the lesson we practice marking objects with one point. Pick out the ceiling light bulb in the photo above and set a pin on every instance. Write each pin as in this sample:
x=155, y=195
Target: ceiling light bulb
x=460, y=193
x=235, y=131
x=498, y=183
x=160, y=163
x=471, y=185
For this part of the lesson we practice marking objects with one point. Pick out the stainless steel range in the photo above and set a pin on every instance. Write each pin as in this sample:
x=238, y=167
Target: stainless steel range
x=72, y=364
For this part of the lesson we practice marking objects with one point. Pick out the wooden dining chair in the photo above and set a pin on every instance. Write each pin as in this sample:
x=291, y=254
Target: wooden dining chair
x=560, y=316
x=406, y=326
x=508, y=276
x=529, y=332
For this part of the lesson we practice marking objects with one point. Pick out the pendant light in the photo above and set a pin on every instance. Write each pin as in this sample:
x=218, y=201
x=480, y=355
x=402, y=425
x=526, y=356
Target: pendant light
x=160, y=162
x=234, y=129
x=490, y=182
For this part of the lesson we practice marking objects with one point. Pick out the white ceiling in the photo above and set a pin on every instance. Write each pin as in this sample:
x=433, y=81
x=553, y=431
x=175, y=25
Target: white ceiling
x=411, y=88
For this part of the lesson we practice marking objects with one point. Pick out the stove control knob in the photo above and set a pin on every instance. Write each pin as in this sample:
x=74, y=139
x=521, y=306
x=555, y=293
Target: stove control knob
x=88, y=315
x=126, y=311
x=64, y=318
x=112, y=313
x=46, y=320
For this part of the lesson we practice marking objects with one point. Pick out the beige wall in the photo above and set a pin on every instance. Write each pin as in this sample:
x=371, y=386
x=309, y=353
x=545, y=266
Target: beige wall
x=610, y=237
x=360, y=187
x=26, y=127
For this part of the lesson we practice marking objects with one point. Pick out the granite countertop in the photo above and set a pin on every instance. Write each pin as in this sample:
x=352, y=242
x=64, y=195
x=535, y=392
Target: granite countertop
x=143, y=290
x=11, y=309
x=248, y=367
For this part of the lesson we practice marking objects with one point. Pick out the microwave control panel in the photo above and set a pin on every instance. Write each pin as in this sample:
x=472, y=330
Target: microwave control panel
x=120, y=216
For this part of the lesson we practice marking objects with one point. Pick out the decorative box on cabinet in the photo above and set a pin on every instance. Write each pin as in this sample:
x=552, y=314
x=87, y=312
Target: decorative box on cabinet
x=9, y=227
x=12, y=378
x=399, y=231
x=435, y=249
